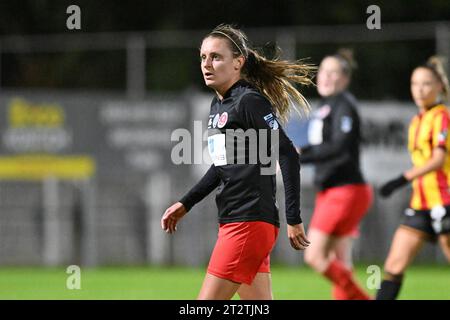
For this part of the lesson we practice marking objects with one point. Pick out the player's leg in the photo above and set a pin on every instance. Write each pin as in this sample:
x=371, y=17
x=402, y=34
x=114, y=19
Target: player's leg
x=348, y=205
x=337, y=213
x=260, y=289
x=444, y=233
x=340, y=270
x=342, y=251
x=333, y=269
x=356, y=201
x=317, y=254
x=320, y=259
x=319, y=233
x=405, y=245
x=444, y=242
x=215, y=288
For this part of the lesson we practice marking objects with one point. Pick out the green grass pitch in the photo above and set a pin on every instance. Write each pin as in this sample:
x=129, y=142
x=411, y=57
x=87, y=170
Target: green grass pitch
x=174, y=283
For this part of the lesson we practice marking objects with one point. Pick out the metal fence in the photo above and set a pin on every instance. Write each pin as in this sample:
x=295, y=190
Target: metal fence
x=135, y=44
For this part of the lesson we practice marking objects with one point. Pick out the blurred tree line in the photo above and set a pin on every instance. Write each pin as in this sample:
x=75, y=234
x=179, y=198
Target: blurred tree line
x=383, y=73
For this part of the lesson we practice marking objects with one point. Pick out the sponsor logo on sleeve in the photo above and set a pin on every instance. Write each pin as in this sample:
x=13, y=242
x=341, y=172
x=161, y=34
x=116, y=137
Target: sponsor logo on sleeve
x=346, y=124
x=271, y=121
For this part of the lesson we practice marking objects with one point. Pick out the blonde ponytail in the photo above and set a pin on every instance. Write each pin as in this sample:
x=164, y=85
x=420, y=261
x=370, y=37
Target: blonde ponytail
x=275, y=79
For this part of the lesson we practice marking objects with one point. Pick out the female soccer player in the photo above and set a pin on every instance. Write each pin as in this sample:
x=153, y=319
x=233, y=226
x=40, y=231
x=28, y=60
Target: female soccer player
x=251, y=93
x=344, y=197
x=428, y=217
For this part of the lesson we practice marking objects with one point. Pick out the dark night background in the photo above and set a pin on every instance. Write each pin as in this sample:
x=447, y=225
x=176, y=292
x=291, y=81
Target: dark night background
x=383, y=73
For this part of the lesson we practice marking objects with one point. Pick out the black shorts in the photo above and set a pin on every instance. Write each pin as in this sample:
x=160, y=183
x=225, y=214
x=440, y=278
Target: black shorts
x=431, y=222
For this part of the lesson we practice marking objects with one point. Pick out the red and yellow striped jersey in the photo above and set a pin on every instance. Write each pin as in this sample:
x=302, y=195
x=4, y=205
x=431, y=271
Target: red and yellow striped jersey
x=428, y=130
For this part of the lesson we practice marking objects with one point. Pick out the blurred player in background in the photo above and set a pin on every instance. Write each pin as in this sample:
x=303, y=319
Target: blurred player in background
x=252, y=92
x=344, y=197
x=428, y=217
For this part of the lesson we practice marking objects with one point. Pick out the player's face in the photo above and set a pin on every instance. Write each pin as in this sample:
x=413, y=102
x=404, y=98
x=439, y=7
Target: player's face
x=220, y=69
x=425, y=88
x=331, y=80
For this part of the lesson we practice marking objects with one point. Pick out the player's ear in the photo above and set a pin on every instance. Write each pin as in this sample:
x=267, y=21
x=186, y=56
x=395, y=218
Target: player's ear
x=239, y=63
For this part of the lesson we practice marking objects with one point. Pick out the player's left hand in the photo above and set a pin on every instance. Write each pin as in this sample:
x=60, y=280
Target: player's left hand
x=297, y=236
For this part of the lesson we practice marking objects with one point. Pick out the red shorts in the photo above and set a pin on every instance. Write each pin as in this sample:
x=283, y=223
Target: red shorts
x=339, y=210
x=242, y=250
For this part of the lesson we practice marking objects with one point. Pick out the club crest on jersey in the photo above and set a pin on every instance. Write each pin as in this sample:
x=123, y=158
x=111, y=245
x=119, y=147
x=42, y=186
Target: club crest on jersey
x=222, y=120
x=215, y=120
x=271, y=121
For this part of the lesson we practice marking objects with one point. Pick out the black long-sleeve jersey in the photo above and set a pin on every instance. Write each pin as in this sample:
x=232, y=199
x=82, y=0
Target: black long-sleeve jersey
x=338, y=136
x=245, y=192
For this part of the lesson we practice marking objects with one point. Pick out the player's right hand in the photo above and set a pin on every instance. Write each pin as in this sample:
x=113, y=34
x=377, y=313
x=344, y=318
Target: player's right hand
x=297, y=236
x=171, y=217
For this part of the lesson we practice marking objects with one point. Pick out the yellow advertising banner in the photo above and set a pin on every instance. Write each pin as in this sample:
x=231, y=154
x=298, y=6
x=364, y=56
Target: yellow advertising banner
x=38, y=167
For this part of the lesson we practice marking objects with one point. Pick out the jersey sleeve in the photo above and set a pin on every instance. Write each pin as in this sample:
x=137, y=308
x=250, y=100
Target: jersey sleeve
x=205, y=186
x=440, y=137
x=342, y=131
x=257, y=113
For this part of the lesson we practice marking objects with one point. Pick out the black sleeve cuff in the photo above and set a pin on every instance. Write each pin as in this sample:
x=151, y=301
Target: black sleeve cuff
x=186, y=203
x=294, y=221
